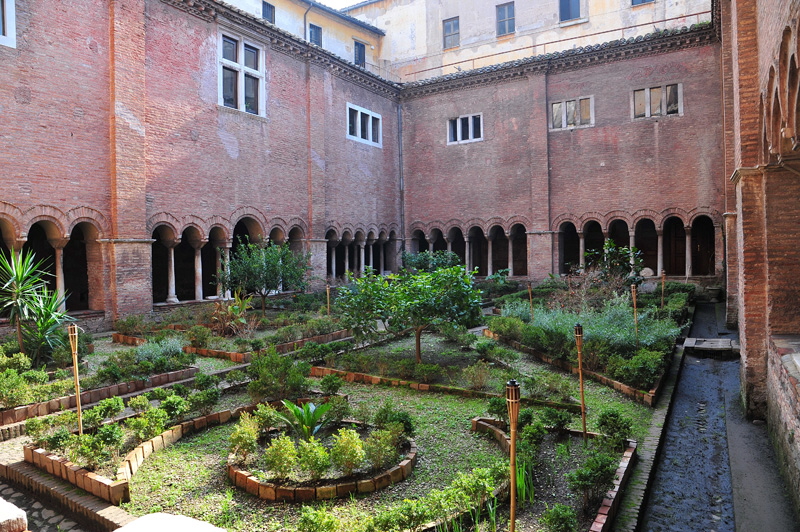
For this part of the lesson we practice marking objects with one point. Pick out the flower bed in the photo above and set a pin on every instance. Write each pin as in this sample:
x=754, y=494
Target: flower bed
x=288, y=347
x=21, y=413
x=648, y=398
x=272, y=492
x=610, y=505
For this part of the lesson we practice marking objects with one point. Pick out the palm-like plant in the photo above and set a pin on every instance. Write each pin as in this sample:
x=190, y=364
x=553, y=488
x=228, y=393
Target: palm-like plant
x=21, y=279
x=305, y=420
x=42, y=332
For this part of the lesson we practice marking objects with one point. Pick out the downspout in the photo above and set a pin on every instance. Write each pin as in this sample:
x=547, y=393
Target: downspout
x=401, y=183
x=554, y=268
x=305, y=21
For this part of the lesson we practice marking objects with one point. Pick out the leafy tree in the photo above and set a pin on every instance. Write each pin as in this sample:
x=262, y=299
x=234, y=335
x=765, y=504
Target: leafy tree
x=263, y=269
x=428, y=261
x=444, y=298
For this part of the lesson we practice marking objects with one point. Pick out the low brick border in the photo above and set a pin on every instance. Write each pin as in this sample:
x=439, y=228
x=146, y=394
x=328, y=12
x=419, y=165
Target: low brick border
x=273, y=492
x=365, y=378
x=611, y=501
x=21, y=413
x=648, y=398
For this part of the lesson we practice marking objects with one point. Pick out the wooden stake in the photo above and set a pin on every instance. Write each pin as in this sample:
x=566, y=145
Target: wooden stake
x=328, y=291
x=635, y=314
x=530, y=299
x=512, y=403
x=579, y=345
x=73, y=342
x=663, y=282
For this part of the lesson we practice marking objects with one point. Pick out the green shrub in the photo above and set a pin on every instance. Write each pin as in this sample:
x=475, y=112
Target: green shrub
x=330, y=384
x=140, y=403
x=16, y=361
x=235, y=376
x=111, y=437
x=642, y=371
x=477, y=375
x=339, y=409
x=498, y=408
x=388, y=414
x=347, y=452
x=277, y=377
x=559, y=518
x=517, y=309
x=34, y=376
x=556, y=419
x=281, y=456
x=312, y=351
x=87, y=451
x=204, y=382
x=92, y=418
x=175, y=406
x=594, y=478
x=615, y=427
x=428, y=372
x=526, y=417
x=204, y=401
x=159, y=394
x=58, y=440
x=148, y=424
x=110, y=407
x=244, y=438
x=485, y=345
x=316, y=520
x=507, y=327
x=313, y=458
x=181, y=389
x=530, y=438
x=380, y=448
x=132, y=325
x=14, y=391
x=37, y=428
x=199, y=336
x=267, y=416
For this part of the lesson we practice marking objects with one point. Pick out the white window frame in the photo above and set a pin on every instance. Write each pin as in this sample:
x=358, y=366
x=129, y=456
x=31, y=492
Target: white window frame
x=647, y=91
x=563, y=103
x=9, y=35
x=241, y=70
x=469, y=137
x=361, y=113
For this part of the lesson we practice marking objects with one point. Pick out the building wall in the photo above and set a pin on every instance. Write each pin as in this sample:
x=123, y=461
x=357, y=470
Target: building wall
x=414, y=45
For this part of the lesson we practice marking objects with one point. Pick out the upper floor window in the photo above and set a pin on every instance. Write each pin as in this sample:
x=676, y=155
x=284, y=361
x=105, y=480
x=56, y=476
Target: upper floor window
x=315, y=34
x=505, y=19
x=241, y=75
x=268, y=12
x=572, y=113
x=451, y=34
x=360, y=55
x=570, y=9
x=467, y=128
x=658, y=101
x=363, y=125
x=8, y=24
x=640, y=2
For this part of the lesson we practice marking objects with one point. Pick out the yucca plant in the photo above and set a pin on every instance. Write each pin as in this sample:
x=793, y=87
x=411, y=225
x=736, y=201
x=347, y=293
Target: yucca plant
x=21, y=279
x=43, y=330
x=305, y=420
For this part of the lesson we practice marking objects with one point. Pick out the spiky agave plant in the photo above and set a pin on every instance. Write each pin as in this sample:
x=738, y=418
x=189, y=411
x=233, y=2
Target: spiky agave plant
x=305, y=420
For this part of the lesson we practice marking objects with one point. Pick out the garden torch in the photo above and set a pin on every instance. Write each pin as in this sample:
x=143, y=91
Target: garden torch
x=73, y=343
x=512, y=402
x=579, y=345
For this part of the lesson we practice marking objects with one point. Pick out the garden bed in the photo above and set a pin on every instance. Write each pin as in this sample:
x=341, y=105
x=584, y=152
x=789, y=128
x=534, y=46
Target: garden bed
x=648, y=398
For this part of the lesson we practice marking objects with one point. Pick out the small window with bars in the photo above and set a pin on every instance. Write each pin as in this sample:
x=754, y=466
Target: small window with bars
x=315, y=34
x=268, y=12
x=360, y=54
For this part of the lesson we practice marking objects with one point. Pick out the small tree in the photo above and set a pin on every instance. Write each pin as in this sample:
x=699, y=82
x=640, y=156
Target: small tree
x=428, y=261
x=263, y=269
x=20, y=282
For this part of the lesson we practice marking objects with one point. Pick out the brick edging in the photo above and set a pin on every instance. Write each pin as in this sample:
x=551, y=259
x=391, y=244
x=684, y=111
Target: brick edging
x=611, y=501
x=21, y=413
x=273, y=492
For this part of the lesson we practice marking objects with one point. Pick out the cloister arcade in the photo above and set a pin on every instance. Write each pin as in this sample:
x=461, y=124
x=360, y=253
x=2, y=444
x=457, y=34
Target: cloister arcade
x=487, y=252
x=356, y=251
x=664, y=241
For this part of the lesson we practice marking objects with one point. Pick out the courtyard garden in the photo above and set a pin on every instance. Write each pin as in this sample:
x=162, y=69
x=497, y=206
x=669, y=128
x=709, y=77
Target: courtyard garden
x=358, y=412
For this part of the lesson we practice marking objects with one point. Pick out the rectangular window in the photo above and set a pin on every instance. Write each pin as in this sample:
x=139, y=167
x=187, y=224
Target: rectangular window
x=241, y=75
x=658, y=101
x=572, y=113
x=467, y=128
x=363, y=125
x=570, y=9
x=268, y=12
x=505, y=19
x=360, y=56
x=640, y=2
x=452, y=37
x=8, y=27
x=315, y=34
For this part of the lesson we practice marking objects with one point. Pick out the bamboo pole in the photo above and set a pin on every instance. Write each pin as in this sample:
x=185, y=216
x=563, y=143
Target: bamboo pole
x=663, y=282
x=579, y=345
x=635, y=315
x=530, y=299
x=328, y=292
x=73, y=342
x=512, y=402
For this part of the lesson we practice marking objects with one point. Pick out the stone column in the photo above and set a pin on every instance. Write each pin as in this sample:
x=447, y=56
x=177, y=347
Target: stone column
x=58, y=247
x=346, y=259
x=198, y=269
x=468, y=243
x=581, y=251
x=660, y=234
x=227, y=252
x=688, y=247
x=332, y=258
x=510, y=255
x=449, y=244
x=489, y=261
x=361, y=256
x=631, y=245
x=171, y=296
x=381, y=256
